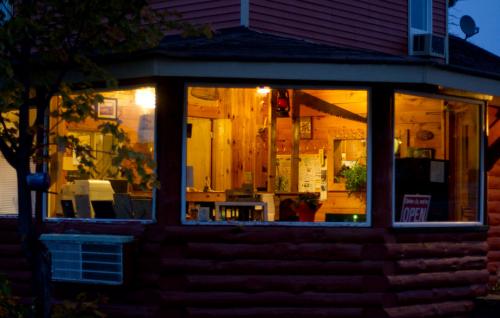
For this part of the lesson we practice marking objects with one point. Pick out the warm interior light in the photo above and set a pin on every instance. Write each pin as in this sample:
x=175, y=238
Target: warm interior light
x=263, y=90
x=145, y=97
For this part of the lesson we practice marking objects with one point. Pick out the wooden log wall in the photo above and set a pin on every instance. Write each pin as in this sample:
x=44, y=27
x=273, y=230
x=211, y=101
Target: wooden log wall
x=183, y=271
x=286, y=272
x=436, y=274
x=493, y=202
x=13, y=264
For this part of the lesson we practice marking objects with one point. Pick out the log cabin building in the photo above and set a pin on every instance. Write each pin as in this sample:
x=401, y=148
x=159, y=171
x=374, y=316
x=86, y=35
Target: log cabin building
x=316, y=159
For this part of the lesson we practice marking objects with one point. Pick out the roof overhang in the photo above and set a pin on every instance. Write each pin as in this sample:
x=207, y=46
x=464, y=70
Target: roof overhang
x=331, y=72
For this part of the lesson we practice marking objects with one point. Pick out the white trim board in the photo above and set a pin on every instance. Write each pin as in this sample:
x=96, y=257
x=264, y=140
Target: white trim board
x=245, y=13
x=369, y=73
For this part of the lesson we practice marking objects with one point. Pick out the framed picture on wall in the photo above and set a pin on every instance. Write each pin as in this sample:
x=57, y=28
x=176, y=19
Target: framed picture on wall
x=107, y=109
x=305, y=127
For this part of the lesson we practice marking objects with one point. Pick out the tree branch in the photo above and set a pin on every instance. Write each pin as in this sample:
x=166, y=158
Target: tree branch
x=8, y=153
x=7, y=134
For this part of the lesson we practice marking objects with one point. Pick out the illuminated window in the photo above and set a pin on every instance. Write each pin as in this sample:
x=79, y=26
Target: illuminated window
x=268, y=154
x=111, y=189
x=437, y=160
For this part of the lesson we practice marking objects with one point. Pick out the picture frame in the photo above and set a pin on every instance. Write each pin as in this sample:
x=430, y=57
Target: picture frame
x=306, y=127
x=108, y=109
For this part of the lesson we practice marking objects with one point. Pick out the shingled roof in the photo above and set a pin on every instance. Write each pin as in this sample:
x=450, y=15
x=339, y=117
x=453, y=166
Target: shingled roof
x=464, y=54
x=243, y=44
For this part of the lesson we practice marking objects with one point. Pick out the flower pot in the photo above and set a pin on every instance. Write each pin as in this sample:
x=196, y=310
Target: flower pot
x=305, y=213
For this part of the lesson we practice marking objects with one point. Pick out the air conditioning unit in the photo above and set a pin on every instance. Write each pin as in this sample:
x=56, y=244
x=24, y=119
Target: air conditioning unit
x=84, y=258
x=429, y=45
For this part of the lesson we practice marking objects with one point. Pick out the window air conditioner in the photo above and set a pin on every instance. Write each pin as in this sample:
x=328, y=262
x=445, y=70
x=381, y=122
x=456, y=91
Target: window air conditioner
x=429, y=45
x=93, y=259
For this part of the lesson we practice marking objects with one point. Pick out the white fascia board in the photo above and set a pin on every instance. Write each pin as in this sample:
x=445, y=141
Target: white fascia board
x=369, y=73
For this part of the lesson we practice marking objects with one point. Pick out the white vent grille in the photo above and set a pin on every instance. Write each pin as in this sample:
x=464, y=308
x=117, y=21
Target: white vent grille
x=95, y=259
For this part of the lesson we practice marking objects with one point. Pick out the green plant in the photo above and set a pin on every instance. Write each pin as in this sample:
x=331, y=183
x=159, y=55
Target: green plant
x=82, y=307
x=311, y=199
x=355, y=178
x=281, y=183
x=10, y=306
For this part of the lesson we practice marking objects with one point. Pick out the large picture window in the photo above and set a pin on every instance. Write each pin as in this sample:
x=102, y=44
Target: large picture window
x=270, y=154
x=437, y=151
x=111, y=188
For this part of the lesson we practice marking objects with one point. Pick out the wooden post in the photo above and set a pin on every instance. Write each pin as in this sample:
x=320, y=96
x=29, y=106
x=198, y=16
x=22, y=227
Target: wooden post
x=294, y=178
x=271, y=130
x=169, y=142
x=382, y=137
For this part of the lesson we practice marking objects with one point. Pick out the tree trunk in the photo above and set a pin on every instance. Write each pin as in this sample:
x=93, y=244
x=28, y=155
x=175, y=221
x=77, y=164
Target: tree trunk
x=34, y=250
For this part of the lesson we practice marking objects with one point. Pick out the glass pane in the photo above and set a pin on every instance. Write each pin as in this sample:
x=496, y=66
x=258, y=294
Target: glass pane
x=437, y=160
x=276, y=154
x=111, y=189
x=420, y=14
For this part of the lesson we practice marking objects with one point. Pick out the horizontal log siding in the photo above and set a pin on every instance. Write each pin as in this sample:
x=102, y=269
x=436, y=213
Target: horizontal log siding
x=12, y=261
x=493, y=205
x=283, y=272
x=199, y=271
x=217, y=13
x=436, y=274
x=378, y=25
x=439, y=11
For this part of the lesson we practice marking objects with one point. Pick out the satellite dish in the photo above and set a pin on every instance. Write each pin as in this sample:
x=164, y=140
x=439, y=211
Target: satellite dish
x=468, y=26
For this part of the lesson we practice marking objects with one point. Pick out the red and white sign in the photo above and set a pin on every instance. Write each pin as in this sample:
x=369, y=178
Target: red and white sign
x=415, y=208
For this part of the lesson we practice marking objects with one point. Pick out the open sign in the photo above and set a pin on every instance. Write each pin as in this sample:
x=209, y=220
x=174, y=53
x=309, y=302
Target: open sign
x=415, y=208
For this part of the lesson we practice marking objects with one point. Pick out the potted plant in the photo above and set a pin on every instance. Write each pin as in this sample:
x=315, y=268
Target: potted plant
x=355, y=178
x=307, y=205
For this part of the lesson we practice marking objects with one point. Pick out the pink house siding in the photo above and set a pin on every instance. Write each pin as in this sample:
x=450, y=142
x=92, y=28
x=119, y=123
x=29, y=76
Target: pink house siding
x=218, y=13
x=380, y=25
x=439, y=17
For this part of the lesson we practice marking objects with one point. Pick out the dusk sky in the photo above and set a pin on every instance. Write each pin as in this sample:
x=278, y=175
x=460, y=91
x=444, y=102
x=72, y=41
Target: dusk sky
x=486, y=13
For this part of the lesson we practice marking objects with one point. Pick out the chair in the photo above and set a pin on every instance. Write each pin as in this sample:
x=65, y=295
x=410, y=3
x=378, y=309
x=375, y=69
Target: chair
x=68, y=208
x=287, y=211
x=103, y=209
x=82, y=203
x=122, y=206
x=142, y=208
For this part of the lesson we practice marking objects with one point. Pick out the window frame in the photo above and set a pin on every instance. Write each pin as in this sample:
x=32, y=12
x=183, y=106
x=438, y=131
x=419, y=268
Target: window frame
x=252, y=84
x=482, y=173
x=45, y=198
x=413, y=31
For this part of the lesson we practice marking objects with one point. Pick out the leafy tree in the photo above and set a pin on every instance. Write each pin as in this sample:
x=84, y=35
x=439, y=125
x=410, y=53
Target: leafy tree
x=42, y=44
